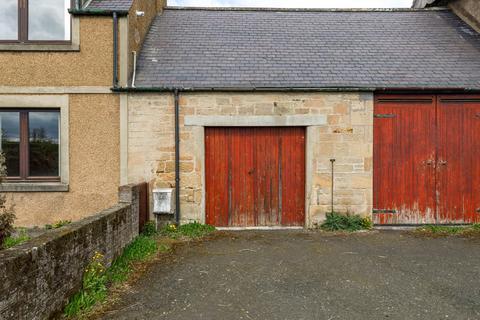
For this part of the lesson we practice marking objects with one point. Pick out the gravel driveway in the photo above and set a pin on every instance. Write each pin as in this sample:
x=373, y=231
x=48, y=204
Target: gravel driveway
x=311, y=275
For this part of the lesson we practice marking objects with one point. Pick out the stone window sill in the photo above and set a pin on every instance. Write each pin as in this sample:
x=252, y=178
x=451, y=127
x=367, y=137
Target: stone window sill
x=39, y=47
x=33, y=187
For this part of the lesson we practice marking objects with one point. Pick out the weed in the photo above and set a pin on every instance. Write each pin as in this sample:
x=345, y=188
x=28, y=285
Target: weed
x=149, y=229
x=341, y=222
x=139, y=250
x=97, y=278
x=449, y=230
x=94, y=288
x=7, y=213
x=58, y=224
x=14, y=240
x=192, y=230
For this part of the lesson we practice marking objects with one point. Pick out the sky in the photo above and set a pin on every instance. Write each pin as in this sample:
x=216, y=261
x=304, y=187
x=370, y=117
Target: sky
x=295, y=3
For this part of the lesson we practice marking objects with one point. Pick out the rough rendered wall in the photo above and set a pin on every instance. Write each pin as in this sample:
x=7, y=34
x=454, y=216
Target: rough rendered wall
x=94, y=165
x=38, y=277
x=469, y=11
x=348, y=138
x=91, y=66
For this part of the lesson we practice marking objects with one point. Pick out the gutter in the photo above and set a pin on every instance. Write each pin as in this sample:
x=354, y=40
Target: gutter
x=96, y=12
x=115, y=50
x=266, y=9
x=240, y=89
x=297, y=89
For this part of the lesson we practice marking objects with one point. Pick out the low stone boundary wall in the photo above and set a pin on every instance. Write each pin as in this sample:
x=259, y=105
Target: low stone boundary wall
x=38, y=277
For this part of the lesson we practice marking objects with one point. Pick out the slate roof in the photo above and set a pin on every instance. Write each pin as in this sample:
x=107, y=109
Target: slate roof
x=200, y=48
x=110, y=5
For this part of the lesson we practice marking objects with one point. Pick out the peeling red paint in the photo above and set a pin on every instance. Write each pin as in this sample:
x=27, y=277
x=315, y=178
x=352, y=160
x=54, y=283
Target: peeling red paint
x=426, y=165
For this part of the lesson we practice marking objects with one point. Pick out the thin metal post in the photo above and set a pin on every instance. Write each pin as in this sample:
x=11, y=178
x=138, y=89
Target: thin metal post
x=332, y=161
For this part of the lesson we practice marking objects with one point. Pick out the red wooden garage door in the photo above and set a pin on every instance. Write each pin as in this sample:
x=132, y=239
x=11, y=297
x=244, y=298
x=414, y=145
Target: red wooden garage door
x=255, y=176
x=426, y=167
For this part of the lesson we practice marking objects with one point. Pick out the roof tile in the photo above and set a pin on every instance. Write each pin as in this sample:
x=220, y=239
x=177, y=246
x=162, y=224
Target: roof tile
x=321, y=49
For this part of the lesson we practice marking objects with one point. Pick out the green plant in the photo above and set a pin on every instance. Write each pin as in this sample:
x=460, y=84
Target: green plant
x=94, y=287
x=7, y=214
x=97, y=278
x=14, y=240
x=191, y=230
x=140, y=249
x=340, y=222
x=149, y=229
x=58, y=224
x=436, y=230
x=442, y=229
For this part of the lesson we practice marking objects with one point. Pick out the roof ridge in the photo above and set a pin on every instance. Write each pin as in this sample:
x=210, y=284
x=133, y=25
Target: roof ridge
x=264, y=9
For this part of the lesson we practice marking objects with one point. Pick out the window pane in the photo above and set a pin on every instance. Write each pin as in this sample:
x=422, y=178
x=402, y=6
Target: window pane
x=44, y=143
x=10, y=130
x=48, y=20
x=8, y=19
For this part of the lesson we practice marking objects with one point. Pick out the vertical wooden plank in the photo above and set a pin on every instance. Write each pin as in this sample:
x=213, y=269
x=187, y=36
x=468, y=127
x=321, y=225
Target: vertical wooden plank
x=216, y=185
x=293, y=176
x=250, y=178
x=458, y=166
x=404, y=159
x=260, y=177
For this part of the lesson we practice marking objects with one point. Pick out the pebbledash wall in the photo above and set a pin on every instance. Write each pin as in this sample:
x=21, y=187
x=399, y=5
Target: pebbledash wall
x=346, y=134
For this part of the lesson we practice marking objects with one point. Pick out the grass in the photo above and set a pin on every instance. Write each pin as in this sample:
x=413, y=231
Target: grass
x=192, y=230
x=346, y=222
x=17, y=239
x=97, y=278
x=58, y=224
x=435, y=230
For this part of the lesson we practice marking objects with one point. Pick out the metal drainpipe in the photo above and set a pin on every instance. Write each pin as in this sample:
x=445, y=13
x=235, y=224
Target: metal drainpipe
x=177, y=157
x=115, y=50
x=333, y=178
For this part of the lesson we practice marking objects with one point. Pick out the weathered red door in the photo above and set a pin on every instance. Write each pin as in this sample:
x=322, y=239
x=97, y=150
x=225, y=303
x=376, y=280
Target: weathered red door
x=426, y=159
x=255, y=176
x=458, y=164
x=404, y=157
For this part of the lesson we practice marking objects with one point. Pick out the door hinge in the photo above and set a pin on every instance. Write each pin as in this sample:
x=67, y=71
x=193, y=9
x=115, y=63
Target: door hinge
x=377, y=211
x=385, y=115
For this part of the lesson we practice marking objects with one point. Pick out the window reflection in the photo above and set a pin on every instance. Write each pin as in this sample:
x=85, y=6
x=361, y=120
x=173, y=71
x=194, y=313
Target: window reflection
x=44, y=144
x=48, y=20
x=10, y=141
x=8, y=19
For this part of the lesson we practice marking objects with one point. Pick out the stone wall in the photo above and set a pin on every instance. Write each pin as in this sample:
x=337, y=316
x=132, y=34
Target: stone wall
x=347, y=136
x=38, y=277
